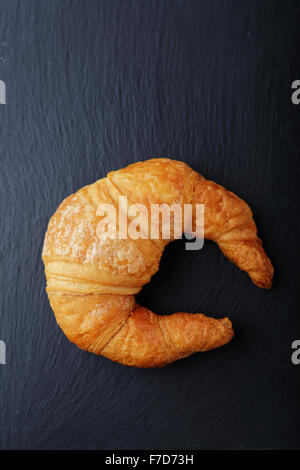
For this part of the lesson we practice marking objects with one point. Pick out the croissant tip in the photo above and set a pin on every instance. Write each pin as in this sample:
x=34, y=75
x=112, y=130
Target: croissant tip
x=226, y=322
x=264, y=279
x=264, y=283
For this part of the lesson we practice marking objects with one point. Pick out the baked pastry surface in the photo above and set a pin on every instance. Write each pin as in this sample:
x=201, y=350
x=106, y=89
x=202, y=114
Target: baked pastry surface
x=92, y=282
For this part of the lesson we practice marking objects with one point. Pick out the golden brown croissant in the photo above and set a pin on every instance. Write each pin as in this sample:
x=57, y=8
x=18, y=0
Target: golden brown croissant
x=92, y=282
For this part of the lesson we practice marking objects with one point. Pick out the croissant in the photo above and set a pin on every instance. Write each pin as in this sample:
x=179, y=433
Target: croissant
x=92, y=282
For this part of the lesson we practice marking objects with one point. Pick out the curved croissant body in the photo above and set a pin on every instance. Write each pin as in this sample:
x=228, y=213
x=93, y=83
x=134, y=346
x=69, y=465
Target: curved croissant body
x=92, y=282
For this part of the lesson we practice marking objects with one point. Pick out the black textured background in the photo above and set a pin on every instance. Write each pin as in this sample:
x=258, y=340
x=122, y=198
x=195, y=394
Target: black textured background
x=93, y=86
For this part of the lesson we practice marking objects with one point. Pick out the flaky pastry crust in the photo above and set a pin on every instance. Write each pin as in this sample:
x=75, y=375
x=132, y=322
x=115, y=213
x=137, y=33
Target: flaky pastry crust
x=91, y=283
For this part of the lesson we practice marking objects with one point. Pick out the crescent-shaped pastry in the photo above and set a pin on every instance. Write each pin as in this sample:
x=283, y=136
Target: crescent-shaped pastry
x=92, y=281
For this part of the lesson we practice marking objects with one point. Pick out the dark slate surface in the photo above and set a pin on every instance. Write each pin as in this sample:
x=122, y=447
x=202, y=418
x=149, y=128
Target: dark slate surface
x=93, y=86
